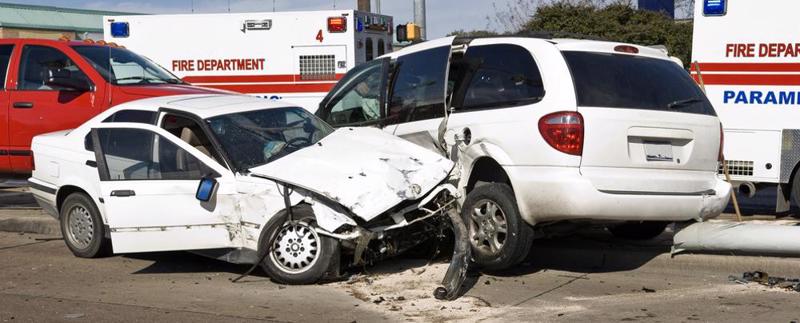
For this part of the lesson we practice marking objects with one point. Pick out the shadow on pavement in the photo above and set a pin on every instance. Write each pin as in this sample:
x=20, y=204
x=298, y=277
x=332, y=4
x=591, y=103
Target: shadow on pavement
x=16, y=198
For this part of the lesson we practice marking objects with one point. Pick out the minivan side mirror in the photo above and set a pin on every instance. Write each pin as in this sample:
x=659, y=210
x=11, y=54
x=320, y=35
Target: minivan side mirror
x=206, y=189
x=63, y=78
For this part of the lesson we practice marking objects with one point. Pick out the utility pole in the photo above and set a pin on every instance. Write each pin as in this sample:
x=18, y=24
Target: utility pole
x=419, y=17
x=363, y=5
x=378, y=6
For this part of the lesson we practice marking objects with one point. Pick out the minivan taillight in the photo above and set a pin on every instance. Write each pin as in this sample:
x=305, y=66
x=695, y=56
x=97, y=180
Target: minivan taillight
x=721, y=157
x=563, y=131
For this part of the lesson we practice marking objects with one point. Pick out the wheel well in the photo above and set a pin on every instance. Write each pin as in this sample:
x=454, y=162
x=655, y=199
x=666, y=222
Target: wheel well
x=486, y=169
x=65, y=191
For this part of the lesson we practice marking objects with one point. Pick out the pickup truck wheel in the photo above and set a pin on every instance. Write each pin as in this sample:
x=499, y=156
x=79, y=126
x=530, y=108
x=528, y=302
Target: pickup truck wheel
x=82, y=227
x=297, y=253
x=638, y=230
x=498, y=236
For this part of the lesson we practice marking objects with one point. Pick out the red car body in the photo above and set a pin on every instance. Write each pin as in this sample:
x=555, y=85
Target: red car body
x=26, y=112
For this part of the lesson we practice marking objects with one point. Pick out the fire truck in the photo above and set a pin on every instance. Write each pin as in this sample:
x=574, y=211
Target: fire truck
x=746, y=54
x=292, y=56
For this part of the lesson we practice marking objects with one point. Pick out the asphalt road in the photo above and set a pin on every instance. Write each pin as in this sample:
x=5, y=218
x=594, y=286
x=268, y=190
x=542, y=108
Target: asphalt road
x=586, y=277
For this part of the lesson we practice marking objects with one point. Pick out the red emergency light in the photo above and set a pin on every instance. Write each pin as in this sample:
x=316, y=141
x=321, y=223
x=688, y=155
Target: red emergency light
x=337, y=24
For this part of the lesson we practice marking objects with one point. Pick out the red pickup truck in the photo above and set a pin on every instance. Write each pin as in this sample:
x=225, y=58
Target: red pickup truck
x=51, y=85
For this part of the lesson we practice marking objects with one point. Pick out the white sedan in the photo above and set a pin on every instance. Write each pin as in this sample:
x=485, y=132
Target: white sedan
x=241, y=179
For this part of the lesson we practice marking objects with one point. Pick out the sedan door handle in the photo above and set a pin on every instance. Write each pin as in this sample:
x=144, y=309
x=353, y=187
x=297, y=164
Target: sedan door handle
x=123, y=193
x=23, y=105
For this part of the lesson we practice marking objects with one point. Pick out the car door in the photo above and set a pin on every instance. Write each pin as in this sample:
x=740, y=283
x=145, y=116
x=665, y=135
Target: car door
x=357, y=100
x=148, y=182
x=6, y=49
x=37, y=107
x=416, y=99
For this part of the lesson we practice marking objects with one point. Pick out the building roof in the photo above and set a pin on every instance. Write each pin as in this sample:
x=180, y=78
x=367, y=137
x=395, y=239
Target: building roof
x=14, y=15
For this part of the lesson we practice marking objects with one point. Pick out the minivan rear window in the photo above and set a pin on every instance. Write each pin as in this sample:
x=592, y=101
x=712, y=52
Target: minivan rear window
x=634, y=82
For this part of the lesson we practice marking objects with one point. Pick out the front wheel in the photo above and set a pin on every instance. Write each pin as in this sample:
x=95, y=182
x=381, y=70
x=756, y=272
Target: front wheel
x=297, y=253
x=497, y=234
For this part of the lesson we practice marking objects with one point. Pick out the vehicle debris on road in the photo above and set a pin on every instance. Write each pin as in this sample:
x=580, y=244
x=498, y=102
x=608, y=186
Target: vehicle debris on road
x=763, y=278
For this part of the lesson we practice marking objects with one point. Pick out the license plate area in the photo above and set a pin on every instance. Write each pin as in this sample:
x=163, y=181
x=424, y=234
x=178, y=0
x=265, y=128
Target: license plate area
x=658, y=151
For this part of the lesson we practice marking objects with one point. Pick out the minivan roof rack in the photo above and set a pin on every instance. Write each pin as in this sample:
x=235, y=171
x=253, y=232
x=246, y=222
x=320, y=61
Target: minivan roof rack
x=531, y=34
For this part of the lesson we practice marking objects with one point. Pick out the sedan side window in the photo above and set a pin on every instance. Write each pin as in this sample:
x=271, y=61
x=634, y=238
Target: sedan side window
x=357, y=99
x=136, y=116
x=136, y=154
x=418, y=88
x=39, y=62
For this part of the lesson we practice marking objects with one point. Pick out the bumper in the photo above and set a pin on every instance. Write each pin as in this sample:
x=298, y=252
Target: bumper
x=561, y=193
x=45, y=195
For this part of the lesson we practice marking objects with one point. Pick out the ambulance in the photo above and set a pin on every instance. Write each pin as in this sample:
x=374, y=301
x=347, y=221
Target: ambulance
x=292, y=56
x=748, y=58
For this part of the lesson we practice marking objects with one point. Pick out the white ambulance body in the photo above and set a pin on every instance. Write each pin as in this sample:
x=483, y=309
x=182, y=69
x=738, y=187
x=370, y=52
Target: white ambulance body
x=749, y=57
x=292, y=56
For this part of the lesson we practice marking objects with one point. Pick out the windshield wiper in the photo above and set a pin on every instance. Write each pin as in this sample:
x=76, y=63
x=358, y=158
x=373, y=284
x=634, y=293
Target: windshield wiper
x=148, y=80
x=682, y=103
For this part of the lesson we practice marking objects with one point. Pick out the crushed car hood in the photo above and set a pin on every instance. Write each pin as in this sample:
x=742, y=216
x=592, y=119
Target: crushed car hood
x=365, y=170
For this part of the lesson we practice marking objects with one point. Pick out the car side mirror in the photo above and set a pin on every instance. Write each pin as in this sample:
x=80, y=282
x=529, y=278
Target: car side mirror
x=206, y=189
x=65, y=79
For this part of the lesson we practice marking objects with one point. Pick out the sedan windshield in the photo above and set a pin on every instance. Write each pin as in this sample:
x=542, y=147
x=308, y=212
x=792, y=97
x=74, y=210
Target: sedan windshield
x=122, y=67
x=255, y=138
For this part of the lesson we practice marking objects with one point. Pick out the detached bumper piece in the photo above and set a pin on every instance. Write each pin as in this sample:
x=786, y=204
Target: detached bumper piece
x=457, y=271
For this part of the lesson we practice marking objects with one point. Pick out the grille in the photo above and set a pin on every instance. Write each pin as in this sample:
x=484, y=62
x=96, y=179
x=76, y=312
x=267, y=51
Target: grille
x=738, y=167
x=317, y=67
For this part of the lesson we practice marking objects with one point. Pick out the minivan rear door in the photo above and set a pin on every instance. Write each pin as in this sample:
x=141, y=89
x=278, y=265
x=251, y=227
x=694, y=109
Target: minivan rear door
x=648, y=127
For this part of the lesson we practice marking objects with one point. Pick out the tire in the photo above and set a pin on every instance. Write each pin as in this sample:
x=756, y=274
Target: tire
x=794, y=195
x=294, y=261
x=638, y=230
x=82, y=227
x=491, y=248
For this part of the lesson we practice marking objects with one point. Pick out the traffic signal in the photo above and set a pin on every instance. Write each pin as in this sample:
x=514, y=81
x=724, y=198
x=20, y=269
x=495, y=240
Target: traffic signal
x=400, y=31
x=408, y=33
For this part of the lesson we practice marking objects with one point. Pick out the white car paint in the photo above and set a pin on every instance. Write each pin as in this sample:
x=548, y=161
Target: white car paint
x=165, y=215
x=611, y=179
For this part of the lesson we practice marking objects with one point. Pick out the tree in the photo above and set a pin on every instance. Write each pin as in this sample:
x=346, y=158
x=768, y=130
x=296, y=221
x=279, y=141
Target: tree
x=613, y=20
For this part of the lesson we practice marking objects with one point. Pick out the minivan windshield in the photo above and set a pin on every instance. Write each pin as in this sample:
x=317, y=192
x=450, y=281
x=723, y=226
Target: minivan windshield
x=122, y=67
x=634, y=82
x=258, y=137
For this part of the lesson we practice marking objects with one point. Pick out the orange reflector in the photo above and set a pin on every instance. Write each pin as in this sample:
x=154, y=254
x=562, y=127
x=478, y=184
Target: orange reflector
x=337, y=24
x=626, y=49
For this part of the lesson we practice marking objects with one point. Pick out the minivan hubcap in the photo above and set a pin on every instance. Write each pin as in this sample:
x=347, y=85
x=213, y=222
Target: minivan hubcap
x=80, y=227
x=296, y=248
x=488, y=226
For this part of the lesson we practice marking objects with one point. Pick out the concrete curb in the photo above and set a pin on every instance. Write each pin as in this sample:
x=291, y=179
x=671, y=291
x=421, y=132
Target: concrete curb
x=28, y=221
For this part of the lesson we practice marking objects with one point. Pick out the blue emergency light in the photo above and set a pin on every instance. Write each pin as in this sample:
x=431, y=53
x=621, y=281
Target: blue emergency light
x=359, y=25
x=119, y=29
x=714, y=7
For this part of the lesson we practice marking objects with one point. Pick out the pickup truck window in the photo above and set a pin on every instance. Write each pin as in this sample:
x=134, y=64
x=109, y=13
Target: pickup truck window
x=136, y=154
x=504, y=75
x=419, y=86
x=5, y=57
x=38, y=62
x=123, y=67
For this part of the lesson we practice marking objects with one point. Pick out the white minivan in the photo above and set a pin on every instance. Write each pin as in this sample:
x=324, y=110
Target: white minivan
x=548, y=130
